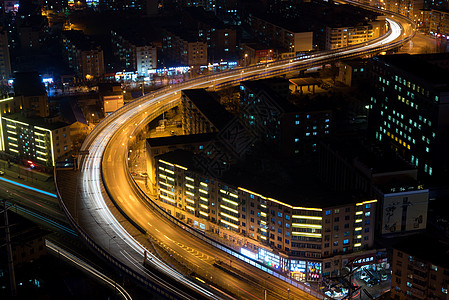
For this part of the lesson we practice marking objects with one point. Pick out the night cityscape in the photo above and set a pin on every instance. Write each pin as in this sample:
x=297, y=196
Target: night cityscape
x=224, y=149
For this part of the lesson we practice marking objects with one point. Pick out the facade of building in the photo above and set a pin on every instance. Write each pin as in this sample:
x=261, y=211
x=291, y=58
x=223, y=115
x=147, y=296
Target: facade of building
x=353, y=72
x=265, y=110
x=85, y=58
x=408, y=110
x=303, y=240
x=410, y=8
x=439, y=23
x=184, y=49
x=289, y=39
x=221, y=39
x=338, y=37
x=36, y=140
x=135, y=52
x=420, y=269
x=5, y=63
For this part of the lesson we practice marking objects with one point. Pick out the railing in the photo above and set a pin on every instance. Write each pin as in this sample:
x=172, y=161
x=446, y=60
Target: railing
x=124, y=268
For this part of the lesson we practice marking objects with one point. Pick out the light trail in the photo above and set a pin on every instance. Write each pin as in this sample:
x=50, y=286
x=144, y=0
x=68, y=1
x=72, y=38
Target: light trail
x=29, y=187
x=88, y=268
x=122, y=122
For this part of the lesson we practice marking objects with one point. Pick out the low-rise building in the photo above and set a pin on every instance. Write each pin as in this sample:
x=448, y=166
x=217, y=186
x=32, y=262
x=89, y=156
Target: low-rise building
x=36, y=139
x=344, y=36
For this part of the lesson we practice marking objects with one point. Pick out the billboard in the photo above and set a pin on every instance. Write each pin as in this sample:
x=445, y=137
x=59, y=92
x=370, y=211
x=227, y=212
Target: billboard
x=404, y=211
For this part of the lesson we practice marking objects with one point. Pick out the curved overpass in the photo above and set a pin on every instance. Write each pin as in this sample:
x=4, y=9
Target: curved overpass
x=104, y=180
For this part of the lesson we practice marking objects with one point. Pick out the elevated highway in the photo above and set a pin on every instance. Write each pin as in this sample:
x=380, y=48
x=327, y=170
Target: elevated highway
x=106, y=206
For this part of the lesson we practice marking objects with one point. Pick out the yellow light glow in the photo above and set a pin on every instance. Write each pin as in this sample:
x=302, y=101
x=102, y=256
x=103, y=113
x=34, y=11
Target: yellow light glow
x=358, y=245
x=165, y=162
x=167, y=198
x=190, y=193
x=188, y=178
x=190, y=201
x=359, y=236
x=190, y=186
x=181, y=167
x=166, y=191
x=306, y=225
x=358, y=220
x=204, y=199
x=204, y=206
x=203, y=191
x=13, y=145
x=229, y=216
x=307, y=217
x=359, y=213
x=203, y=184
x=357, y=228
x=189, y=207
x=18, y=122
x=317, y=235
x=228, y=223
x=228, y=208
x=15, y=151
x=229, y=201
x=204, y=214
x=51, y=142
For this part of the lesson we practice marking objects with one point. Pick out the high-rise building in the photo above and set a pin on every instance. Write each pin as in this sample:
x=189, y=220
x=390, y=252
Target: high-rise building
x=84, y=56
x=184, y=48
x=409, y=111
x=5, y=63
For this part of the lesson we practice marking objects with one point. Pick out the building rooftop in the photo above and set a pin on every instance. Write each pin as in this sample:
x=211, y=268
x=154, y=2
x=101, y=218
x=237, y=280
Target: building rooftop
x=418, y=67
x=209, y=107
x=427, y=248
x=28, y=84
x=37, y=121
x=292, y=183
x=180, y=139
x=276, y=180
x=80, y=40
x=263, y=85
x=186, y=35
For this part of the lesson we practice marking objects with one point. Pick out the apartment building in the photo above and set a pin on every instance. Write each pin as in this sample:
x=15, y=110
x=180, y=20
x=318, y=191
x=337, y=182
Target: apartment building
x=135, y=51
x=183, y=48
x=408, y=110
x=318, y=234
x=288, y=36
x=343, y=36
x=439, y=23
x=36, y=139
x=83, y=55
